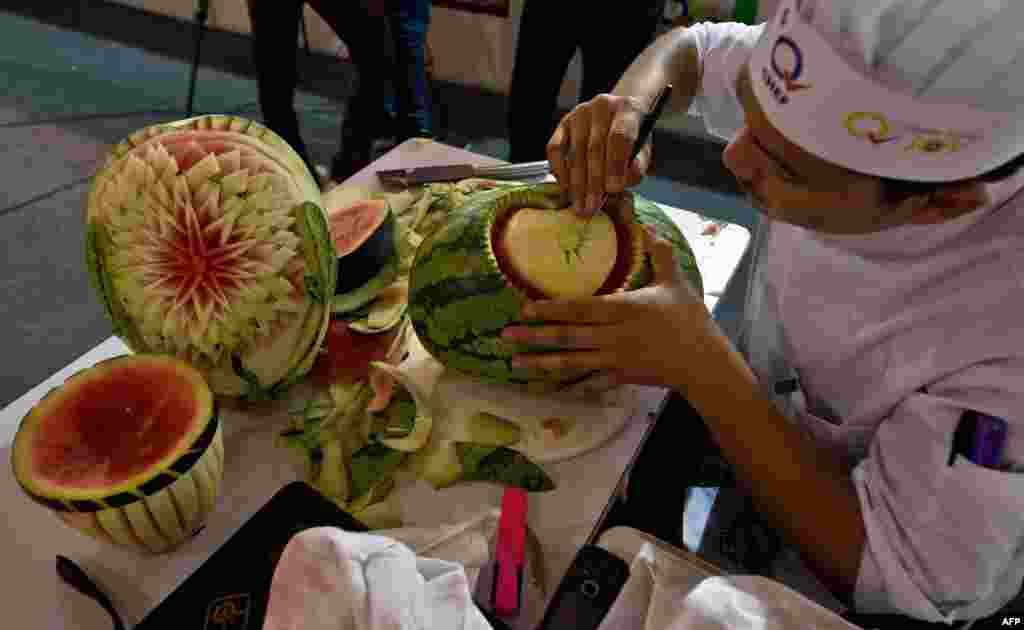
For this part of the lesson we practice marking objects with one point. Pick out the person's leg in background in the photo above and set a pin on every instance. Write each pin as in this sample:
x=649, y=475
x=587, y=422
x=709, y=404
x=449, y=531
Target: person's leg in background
x=275, y=27
x=548, y=38
x=363, y=26
x=410, y=104
x=611, y=43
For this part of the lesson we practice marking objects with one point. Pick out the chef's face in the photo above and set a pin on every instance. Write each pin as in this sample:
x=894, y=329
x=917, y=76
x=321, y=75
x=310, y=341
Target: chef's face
x=786, y=183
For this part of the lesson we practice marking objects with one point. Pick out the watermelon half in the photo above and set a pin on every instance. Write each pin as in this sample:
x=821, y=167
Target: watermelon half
x=471, y=277
x=129, y=452
x=366, y=238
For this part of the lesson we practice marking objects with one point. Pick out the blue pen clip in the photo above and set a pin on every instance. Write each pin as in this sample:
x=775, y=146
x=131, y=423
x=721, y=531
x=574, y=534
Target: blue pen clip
x=980, y=438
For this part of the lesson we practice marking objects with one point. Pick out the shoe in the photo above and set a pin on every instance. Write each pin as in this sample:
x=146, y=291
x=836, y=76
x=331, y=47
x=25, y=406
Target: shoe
x=417, y=133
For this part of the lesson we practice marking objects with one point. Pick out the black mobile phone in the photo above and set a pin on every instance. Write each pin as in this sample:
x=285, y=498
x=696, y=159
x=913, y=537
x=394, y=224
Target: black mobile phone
x=587, y=591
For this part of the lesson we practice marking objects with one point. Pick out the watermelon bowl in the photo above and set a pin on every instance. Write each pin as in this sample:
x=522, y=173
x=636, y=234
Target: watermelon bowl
x=489, y=256
x=128, y=452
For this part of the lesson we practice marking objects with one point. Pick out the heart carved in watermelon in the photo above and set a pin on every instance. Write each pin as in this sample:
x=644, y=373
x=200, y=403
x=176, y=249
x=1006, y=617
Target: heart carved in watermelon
x=206, y=240
x=471, y=277
x=129, y=452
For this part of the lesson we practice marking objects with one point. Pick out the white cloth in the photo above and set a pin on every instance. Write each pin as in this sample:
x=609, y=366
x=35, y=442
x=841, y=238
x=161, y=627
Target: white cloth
x=407, y=578
x=666, y=593
x=928, y=91
x=892, y=337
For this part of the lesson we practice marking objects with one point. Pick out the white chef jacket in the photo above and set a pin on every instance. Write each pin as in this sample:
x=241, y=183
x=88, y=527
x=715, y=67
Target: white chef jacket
x=891, y=337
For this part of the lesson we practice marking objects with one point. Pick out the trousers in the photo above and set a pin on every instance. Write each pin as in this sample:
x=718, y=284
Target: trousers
x=410, y=103
x=549, y=34
x=366, y=32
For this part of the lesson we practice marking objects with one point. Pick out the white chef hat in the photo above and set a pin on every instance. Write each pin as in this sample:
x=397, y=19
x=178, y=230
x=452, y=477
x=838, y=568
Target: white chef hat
x=922, y=90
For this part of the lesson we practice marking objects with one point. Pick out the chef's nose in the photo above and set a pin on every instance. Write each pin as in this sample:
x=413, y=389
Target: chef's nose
x=743, y=159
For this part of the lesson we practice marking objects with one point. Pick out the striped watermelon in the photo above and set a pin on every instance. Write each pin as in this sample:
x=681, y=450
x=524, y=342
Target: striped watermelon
x=129, y=452
x=462, y=294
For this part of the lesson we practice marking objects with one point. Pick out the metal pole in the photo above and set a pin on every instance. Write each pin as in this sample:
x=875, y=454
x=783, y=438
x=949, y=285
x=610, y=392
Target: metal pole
x=202, y=13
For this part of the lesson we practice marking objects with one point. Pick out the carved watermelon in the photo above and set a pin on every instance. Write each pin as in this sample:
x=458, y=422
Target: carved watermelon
x=206, y=240
x=129, y=452
x=471, y=277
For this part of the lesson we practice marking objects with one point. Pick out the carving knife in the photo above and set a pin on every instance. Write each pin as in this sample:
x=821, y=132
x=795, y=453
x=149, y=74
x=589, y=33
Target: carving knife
x=455, y=172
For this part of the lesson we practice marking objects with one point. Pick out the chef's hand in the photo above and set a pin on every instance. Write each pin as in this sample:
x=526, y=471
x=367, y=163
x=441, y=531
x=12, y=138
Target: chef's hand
x=601, y=133
x=649, y=336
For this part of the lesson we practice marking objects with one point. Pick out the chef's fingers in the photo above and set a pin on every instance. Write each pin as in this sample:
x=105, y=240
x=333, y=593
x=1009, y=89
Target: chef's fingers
x=568, y=336
x=623, y=133
x=638, y=167
x=556, y=154
x=601, y=115
x=576, y=360
x=579, y=137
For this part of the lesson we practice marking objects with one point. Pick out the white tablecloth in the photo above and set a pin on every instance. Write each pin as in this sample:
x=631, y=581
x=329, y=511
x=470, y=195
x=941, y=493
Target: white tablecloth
x=254, y=469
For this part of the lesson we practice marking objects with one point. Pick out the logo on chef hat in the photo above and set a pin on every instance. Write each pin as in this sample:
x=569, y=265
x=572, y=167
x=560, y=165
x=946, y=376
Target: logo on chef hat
x=870, y=126
x=782, y=64
x=935, y=142
x=878, y=129
x=787, y=62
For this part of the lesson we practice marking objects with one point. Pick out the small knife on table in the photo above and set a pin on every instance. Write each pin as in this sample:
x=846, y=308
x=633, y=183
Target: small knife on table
x=455, y=172
x=509, y=554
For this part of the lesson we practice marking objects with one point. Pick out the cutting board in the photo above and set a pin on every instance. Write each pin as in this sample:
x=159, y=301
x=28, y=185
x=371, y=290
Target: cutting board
x=593, y=417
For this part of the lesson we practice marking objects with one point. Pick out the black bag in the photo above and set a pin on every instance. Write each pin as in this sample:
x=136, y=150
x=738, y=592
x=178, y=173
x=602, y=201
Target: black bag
x=231, y=589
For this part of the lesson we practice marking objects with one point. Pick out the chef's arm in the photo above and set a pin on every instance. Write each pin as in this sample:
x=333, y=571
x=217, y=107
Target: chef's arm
x=671, y=58
x=800, y=488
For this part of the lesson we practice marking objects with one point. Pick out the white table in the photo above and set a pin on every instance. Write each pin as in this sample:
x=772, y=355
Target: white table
x=255, y=468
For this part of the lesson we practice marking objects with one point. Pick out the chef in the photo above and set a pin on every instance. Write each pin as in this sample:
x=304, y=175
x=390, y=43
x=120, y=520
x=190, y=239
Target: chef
x=873, y=405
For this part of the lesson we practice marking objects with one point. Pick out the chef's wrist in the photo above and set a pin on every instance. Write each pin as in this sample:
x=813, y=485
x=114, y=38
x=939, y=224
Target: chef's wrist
x=715, y=369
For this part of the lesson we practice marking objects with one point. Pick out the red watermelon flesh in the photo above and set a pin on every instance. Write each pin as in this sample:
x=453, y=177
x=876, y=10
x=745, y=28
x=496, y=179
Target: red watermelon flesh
x=352, y=226
x=114, y=428
x=346, y=354
x=383, y=384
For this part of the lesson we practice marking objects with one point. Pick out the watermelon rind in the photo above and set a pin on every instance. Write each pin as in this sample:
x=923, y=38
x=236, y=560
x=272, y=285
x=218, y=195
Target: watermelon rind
x=318, y=320
x=460, y=300
x=650, y=213
x=236, y=361
x=348, y=302
x=154, y=511
x=425, y=413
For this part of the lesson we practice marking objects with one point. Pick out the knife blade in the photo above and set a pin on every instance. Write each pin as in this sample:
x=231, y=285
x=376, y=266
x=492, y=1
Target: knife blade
x=455, y=172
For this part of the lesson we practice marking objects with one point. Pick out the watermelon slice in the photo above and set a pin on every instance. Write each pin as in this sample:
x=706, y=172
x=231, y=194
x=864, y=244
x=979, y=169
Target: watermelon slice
x=128, y=451
x=346, y=354
x=366, y=237
x=423, y=415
